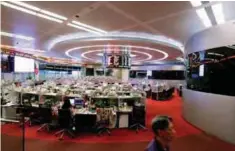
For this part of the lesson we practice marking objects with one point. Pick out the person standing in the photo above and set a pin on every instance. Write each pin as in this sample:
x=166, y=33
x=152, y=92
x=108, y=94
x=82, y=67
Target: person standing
x=164, y=133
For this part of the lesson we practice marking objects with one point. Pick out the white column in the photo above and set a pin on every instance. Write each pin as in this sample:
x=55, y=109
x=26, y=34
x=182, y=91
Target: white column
x=125, y=75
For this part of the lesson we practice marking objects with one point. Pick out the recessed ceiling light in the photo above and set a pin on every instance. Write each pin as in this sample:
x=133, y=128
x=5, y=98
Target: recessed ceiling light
x=218, y=13
x=83, y=28
x=196, y=3
x=49, y=18
x=30, y=11
x=38, y=9
x=53, y=14
x=25, y=5
x=204, y=17
x=89, y=27
x=18, y=8
x=16, y=36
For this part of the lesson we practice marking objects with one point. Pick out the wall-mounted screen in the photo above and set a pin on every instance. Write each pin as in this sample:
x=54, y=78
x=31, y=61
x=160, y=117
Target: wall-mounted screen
x=7, y=63
x=212, y=71
x=23, y=64
x=118, y=61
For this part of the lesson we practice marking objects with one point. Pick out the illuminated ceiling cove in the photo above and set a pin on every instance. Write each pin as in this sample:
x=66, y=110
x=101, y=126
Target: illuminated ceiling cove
x=82, y=30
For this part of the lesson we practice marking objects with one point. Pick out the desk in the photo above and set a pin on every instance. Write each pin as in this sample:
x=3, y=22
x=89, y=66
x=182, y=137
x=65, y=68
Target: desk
x=84, y=111
x=124, y=115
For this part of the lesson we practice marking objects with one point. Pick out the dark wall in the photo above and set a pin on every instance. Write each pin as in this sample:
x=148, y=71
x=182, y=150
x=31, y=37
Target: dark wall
x=89, y=71
x=212, y=71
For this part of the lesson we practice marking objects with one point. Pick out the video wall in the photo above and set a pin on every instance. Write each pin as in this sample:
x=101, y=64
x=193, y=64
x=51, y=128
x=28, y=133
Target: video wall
x=23, y=64
x=158, y=74
x=7, y=63
x=17, y=64
x=48, y=71
x=212, y=71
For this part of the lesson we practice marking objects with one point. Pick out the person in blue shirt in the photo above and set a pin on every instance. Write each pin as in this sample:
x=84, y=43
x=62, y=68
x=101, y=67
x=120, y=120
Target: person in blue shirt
x=164, y=133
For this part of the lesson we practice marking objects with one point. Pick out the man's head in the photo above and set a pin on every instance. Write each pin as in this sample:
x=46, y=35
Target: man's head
x=163, y=128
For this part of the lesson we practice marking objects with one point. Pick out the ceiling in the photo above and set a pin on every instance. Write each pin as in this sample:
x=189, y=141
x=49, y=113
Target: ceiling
x=174, y=20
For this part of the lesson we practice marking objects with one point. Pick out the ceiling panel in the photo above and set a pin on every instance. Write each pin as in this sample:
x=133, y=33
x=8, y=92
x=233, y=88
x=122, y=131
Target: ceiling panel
x=62, y=30
x=180, y=27
x=138, y=29
x=229, y=11
x=106, y=19
x=19, y=22
x=64, y=8
x=149, y=10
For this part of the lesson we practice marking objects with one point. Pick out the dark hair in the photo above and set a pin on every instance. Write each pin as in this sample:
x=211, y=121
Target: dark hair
x=161, y=122
x=66, y=104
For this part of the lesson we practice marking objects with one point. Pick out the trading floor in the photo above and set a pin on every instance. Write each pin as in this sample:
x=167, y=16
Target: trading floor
x=117, y=75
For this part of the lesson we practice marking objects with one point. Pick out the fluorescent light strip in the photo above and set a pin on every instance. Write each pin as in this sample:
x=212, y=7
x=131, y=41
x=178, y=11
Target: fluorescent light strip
x=53, y=14
x=196, y=3
x=204, y=17
x=202, y=13
x=16, y=36
x=82, y=28
x=25, y=5
x=218, y=13
x=38, y=9
x=18, y=8
x=87, y=26
x=49, y=18
x=31, y=12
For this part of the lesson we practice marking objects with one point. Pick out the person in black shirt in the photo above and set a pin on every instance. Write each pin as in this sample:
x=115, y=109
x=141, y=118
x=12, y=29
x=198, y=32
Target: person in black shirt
x=164, y=132
x=67, y=104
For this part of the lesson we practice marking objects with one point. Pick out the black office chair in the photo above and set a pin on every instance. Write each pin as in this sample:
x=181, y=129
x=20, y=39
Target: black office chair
x=154, y=96
x=45, y=118
x=65, y=122
x=138, y=118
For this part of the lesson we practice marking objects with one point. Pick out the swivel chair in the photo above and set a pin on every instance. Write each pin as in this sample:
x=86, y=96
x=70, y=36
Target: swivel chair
x=45, y=118
x=65, y=122
x=138, y=118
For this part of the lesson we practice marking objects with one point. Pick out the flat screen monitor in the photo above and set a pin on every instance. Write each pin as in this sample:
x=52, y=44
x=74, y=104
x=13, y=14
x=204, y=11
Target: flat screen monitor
x=78, y=102
x=72, y=101
x=23, y=64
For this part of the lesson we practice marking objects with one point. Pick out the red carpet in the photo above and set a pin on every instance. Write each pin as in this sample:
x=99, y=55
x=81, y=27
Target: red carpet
x=171, y=107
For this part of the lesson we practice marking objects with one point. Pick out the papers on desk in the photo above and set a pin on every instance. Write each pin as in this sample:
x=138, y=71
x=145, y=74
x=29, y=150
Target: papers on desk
x=83, y=111
x=125, y=109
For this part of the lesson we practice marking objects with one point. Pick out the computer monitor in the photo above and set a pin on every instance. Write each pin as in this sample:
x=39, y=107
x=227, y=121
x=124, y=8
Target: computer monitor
x=72, y=101
x=79, y=102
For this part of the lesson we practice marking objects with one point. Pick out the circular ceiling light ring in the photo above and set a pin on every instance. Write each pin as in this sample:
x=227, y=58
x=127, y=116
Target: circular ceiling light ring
x=165, y=55
x=83, y=55
x=159, y=39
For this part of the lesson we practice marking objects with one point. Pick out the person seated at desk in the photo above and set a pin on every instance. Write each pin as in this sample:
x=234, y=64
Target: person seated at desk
x=67, y=105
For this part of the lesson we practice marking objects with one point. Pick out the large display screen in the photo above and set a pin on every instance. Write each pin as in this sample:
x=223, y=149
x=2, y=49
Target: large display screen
x=212, y=71
x=118, y=61
x=7, y=63
x=23, y=64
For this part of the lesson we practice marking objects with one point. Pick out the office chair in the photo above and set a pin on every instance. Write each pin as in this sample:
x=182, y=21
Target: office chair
x=65, y=122
x=45, y=118
x=138, y=118
x=103, y=116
